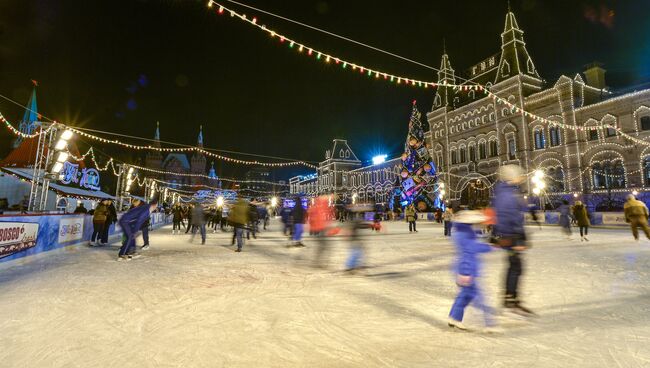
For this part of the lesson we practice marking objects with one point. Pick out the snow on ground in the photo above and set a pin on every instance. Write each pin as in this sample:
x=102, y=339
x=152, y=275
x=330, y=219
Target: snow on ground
x=191, y=305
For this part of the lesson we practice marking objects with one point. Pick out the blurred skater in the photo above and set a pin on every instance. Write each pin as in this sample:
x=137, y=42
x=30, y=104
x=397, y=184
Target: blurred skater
x=448, y=218
x=198, y=221
x=509, y=232
x=468, y=268
x=636, y=214
x=411, y=217
x=565, y=218
x=131, y=222
x=319, y=216
x=298, y=216
x=238, y=217
x=582, y=218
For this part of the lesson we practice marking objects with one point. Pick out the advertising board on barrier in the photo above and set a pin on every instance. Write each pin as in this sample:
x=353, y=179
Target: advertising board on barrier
x=615, y=218
x=16, y=237
x=71, y=228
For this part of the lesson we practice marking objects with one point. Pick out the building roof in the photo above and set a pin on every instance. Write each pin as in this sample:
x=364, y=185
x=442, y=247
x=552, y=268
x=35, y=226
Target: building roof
x=25, y=154
x=180, y=157
x=341, y=151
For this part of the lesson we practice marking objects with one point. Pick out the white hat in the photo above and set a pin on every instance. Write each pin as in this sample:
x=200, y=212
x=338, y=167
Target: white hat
x=470, y=217
x=511, y=173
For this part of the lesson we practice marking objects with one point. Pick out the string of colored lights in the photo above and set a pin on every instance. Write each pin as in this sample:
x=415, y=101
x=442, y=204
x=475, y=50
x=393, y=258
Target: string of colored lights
x=372, y=72
x=21, y=134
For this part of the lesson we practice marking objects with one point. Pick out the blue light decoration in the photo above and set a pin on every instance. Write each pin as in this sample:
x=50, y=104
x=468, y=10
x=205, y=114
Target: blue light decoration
x=379, y=159
x=418, y=177
x=87, y=178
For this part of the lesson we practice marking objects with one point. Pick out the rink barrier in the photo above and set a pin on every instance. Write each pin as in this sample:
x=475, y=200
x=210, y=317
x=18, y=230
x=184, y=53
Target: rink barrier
x=53, y=231
x=548, y=218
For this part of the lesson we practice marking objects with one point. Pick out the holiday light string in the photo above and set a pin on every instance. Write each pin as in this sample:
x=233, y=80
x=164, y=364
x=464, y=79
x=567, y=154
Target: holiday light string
x=17, y=132
x=320, y=55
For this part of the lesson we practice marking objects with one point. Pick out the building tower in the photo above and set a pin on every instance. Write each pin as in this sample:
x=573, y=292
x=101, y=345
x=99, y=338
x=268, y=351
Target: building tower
x=446, y=74
x=30, y=119
x=198, y=162
x=154, y=159
x=514, y=56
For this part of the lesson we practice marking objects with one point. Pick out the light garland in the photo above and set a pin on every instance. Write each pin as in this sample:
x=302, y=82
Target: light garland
x=21, y=134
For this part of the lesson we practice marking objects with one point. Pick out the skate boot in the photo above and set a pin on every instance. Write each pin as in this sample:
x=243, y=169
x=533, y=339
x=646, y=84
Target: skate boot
x=145, y=247
x=456, y=324
x=586, y=239
x=134, y=255
x=123, y=258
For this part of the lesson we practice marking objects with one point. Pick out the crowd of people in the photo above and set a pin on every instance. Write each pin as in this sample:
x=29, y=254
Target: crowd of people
x=472, y=232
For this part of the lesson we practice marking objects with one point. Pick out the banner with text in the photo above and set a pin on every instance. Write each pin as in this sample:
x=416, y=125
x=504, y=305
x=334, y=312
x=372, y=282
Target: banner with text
x=17, y=236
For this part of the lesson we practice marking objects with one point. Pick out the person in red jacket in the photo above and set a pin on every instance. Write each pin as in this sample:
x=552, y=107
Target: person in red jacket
x=319, y=216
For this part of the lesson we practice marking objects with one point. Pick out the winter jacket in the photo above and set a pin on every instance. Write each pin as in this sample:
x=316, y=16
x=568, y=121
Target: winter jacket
x=467, y=249
x=581, y=215
x=80, y=209
x=565, y=215
x=298, y=213
x=133, y=220
x=112, y=214
x=101, y=213
x=198, y=215
x=509, y=210
x=448, y=215
x=239, y=213
x=177, y=213
x=409, y=212
x=635, y=208
x=319, y=215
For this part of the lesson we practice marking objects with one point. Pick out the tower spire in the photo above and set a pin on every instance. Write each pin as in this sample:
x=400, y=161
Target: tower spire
x=446, y=75
x=30, y=119
x=199, y=141
x=514, y=56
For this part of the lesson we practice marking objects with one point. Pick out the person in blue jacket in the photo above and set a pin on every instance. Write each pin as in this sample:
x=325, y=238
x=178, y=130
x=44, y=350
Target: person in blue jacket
x=509, y=231
x=468, y=268
x=131, y=222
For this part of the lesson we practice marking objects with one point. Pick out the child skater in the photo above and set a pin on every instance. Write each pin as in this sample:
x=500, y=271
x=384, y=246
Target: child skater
x=467, y=269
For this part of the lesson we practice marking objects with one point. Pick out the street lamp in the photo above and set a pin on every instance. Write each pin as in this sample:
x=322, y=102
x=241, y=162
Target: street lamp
x=220, y=201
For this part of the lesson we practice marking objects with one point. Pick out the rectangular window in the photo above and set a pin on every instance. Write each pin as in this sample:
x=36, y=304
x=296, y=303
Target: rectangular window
x=511, y=149
x=593, y=134
x=472, y=153
x=463, y=155
x=493, y=148
x=481, y=151
x=611, y=132
x=454, y=158
x=645, y=123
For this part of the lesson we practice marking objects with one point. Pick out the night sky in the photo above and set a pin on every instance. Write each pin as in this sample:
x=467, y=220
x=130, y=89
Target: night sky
x=122, y=65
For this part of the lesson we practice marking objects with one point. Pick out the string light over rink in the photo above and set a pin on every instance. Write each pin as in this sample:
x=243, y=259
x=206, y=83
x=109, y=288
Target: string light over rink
x=397, y=79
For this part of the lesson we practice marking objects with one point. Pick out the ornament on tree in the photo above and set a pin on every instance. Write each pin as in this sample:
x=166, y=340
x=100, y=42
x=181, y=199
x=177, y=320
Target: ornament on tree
x=418, y=175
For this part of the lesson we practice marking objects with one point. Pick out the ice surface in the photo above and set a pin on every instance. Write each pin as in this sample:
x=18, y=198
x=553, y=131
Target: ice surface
x=191, y=305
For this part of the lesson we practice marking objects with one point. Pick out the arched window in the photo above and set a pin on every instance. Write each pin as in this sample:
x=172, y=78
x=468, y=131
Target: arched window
x=646, y=171
x=482, y=151
x=454, y=157
x=493, y=148
x=540, y=140
x=554, y=132
x=608, y=174
x=463, y=155
x=472, y=153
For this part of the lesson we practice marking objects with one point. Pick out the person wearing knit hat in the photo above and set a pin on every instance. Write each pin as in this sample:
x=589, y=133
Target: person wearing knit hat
x=509, y=231
x=467, y=268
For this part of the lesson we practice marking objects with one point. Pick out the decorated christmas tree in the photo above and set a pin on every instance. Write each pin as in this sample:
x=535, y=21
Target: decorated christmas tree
x=419, y=175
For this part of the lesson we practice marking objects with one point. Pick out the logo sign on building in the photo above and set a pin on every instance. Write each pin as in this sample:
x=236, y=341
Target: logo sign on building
x=87, y=178
x=71, y=228
x=16, y=237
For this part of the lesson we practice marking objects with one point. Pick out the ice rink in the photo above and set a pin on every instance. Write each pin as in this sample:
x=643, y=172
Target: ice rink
x=191, y=305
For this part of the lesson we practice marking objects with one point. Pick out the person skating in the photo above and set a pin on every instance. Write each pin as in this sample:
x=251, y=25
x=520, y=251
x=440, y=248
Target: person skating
x=411, y=217
x=198, y=222
x=448, y=218
x=131, y=222
x=238, y=217
x=582, y=218
x=99, y=221
x=636, y=214
x=298, y=214
x=467, y=269
x=177, y=218
x=189, y=214
x=319, y=216
x=509, y=231
x=253, y=220
x=565, y=218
